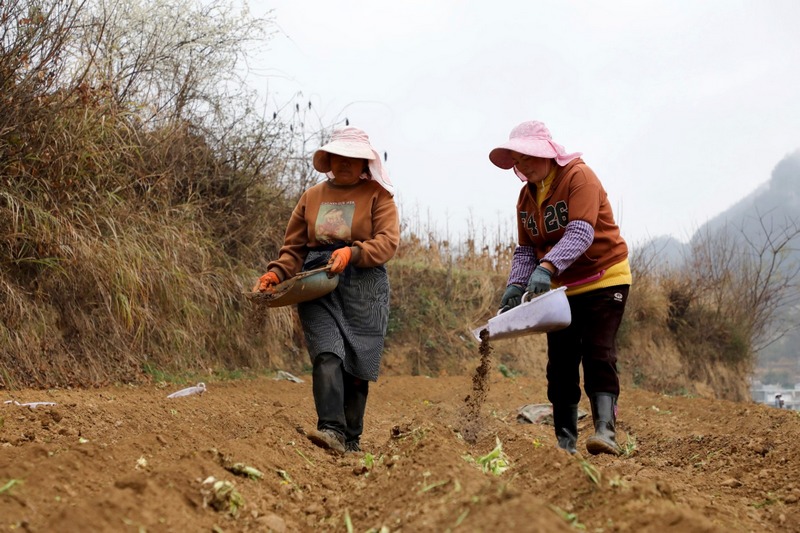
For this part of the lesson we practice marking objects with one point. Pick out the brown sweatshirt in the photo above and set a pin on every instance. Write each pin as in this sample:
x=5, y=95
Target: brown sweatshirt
x=575, y=194
x=362, y=215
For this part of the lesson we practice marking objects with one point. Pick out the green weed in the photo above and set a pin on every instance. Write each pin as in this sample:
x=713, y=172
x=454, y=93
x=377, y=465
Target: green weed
x=629, y=446
x=11, y=483
x=368, y=460
x=434, y=485
x=591, y=472
x=495, y=461
x=769, y=500
x=508, y=372
x=461, y=517
x=570, y=518
x=348, y=523
x=301, y=454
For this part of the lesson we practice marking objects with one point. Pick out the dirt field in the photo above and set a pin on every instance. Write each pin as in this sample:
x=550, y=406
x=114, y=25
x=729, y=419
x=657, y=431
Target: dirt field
x=129, y=459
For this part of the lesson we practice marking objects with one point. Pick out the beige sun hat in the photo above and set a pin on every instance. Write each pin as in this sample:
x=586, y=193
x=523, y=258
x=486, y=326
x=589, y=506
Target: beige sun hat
x=353, y=142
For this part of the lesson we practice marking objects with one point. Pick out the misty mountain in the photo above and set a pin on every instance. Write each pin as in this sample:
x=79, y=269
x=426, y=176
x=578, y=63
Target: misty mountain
x=773, y=203
x=669, y=250
x=770, y=207
x=765, y=211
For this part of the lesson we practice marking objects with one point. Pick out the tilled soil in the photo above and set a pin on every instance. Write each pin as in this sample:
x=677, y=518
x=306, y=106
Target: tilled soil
x=129, y=459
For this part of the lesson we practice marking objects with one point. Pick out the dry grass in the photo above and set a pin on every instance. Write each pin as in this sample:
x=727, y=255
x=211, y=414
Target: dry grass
x=124, y=246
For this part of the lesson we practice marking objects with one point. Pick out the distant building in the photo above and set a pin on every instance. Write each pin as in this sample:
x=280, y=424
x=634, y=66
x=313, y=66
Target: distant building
x=774, y=395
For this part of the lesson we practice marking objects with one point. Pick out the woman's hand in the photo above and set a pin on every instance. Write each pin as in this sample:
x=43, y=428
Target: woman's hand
x=340, y=259
x=539, y=281
x=511, y=298
x=267, y=282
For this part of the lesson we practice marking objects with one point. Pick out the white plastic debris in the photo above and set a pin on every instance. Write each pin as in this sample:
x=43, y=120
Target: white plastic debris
x=200, y=388
x=287, y=376
x=32, y=405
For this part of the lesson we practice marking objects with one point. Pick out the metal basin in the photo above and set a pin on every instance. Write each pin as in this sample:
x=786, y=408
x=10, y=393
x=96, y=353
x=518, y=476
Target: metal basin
x=303, y=287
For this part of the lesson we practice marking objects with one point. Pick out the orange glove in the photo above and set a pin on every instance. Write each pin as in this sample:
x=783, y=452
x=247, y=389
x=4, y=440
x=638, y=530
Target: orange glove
x=266, y=282
x=339, y=259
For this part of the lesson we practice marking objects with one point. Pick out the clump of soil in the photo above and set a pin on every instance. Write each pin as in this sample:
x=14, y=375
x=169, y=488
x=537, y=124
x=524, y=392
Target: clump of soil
x=257, y=316
x=472, y=425
x=261, y=299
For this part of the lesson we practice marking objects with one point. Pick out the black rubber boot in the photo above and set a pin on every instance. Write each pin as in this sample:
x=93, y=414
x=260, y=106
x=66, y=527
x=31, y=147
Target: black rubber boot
x=604, y=417
x=355, y=403
x=328, y=388
x=565, y=419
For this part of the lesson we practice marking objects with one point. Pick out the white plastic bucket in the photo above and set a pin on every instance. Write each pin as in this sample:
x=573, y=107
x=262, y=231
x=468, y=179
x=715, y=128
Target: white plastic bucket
x=546, y=312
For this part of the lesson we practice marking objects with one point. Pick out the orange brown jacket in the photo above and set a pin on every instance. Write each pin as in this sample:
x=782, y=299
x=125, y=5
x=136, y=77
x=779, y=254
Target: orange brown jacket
x=362, y=215
x=575, y=194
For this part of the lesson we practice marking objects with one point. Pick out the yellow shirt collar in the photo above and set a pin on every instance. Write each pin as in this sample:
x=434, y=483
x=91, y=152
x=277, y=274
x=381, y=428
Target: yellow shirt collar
x=544, y=186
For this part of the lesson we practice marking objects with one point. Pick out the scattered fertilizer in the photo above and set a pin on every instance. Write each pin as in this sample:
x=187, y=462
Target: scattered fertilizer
x=472, y=425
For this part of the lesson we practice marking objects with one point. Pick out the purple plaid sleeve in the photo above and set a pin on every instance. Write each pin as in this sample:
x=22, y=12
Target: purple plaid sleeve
x=522, y=265
x=577, y=238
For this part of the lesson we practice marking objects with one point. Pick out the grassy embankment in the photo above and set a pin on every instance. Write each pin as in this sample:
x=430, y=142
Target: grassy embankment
x=126, y=255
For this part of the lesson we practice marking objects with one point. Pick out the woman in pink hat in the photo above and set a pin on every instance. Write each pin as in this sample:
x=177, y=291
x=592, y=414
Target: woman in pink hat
x=349, y=222
x=568, y=237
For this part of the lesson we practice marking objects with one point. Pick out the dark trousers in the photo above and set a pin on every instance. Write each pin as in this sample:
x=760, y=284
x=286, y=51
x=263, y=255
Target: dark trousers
x=590, y=339
x=340, y=398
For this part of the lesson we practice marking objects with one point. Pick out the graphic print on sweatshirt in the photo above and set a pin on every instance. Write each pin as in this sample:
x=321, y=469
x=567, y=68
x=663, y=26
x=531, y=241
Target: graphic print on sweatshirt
x=335, y=222
x=556, y=218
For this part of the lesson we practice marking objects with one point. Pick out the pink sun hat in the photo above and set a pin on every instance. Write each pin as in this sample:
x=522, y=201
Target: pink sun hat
x=353, y=142
x=530, y=138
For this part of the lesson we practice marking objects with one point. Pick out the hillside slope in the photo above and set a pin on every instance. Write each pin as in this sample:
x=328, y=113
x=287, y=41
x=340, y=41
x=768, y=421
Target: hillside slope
x=127, y=459
x=757, y=226
x=777, y=198
x=760, y=217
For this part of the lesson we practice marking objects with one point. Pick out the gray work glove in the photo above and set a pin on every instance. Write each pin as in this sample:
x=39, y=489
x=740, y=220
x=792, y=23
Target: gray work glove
x=511, y=298
x=539, y=281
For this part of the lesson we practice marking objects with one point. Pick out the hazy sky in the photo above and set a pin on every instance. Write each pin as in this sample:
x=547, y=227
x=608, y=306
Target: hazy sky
x=681, y=107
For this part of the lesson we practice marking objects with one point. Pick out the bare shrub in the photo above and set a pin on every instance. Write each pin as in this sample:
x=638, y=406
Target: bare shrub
x=127, y=243
x=171, y=60
x=648, y=355
x=647, y=303
x=723, y=302
x=36, y=44
x=744, y=276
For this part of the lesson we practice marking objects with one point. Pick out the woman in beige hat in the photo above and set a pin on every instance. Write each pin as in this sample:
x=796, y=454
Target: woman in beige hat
x=568, y=237
x=349, y=222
